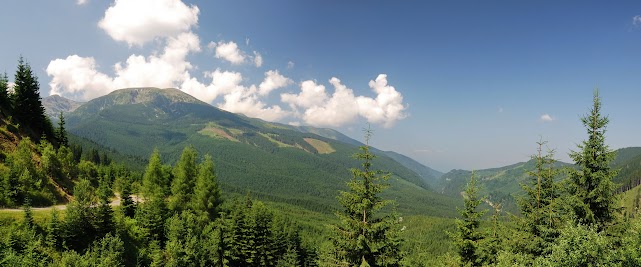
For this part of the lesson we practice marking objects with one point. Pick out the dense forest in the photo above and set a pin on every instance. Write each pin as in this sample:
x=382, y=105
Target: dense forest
x=178, y=215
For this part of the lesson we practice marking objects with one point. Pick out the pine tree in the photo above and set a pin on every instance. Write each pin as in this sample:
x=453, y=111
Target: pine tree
x=154, y=182
x=28, y=214
x=61, y=132
x=540, y=219
x=468, y=236
x=206, y=197
x=182, y=186
x=27, y=107
x=54, y=230
x=103, y=218
x=5, y=102
x=364, y=235
x=591, y=183
x=126, y=202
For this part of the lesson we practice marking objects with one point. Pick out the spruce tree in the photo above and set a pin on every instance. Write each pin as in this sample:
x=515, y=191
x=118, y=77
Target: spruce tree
x=27, y=107
x=61, y=132
x=467, y=237
x=154, y=182
x=5, y=102
x=591, y=182
x=206, y=197
x=182, y=186
x=539, y=205
x=103, y=218
x=364, y=234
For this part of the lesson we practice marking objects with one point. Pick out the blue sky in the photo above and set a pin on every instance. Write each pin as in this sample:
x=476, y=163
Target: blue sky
x=467, y=82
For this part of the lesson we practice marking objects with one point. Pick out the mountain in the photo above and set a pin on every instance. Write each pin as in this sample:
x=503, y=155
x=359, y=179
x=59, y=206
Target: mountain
x=628, y=162
x=304, y=166
x=55, y=104
x=500, y=185
x=430, y=176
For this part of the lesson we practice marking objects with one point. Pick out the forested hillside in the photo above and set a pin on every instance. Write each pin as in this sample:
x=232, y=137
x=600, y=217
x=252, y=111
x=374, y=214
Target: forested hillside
x=273, y=161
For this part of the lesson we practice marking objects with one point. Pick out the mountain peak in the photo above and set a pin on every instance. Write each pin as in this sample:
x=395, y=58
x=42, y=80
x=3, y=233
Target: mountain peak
x=141, y=95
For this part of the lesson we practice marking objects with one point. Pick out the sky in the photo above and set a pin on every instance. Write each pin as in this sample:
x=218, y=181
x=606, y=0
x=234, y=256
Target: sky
x=452, y=84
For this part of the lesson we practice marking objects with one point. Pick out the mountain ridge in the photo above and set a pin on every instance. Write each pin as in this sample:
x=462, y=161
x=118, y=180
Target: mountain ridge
x=277, y=161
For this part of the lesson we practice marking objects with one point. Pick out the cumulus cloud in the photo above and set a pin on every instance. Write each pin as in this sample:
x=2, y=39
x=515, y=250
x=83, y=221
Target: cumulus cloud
x=222, y=82
x=237, y=97
x=169, y=23
x=139, y=21
x=229, y=51
x=81, y=2
x=636, y=20
x=76, y=77
x=273, y=80
x=258, y=59
x=343, y=106
x=312, y=94
x=546, y=118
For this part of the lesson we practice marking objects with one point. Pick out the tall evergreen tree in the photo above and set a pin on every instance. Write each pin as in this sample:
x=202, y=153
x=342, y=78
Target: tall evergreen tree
x=154, y=182
x=182, y=186
x=27, y=107
x=5, y=102
x=591, y=183
x=61, y=132
x=103, y=218
x=364, y=235
x=468, y=236
x=539, y=206
x=206, y=197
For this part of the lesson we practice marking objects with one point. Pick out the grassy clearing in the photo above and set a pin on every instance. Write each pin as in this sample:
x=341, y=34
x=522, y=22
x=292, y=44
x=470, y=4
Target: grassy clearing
x=320, y=146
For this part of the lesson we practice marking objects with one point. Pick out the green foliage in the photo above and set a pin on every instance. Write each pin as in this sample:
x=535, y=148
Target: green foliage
x=591, y=187
x=182, y=185
x=541, y=205
x=61, y=132
x=207, y=196
x=27, y=107
x=364, y=235
x=155, y=183
x=467, y=237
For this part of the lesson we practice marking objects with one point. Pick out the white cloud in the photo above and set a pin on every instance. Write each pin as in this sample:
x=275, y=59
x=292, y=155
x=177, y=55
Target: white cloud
x=338, y=110
x=139, y=21
x=76, y=77
x=10, y=86
x=311, y=94
x=246, y=101
x=388, y=106
x=547, y=118
x=81, y=2
x=258, y=59
x=343, y=107
x=290, y=64
x=222, y=82
x=230, y=52
x=273, y=80
x=636, y=20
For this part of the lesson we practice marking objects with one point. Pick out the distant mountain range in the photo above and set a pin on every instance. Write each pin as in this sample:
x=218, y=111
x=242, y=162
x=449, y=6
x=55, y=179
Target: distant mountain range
x=55, y=104
x=303, y=165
